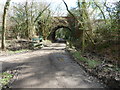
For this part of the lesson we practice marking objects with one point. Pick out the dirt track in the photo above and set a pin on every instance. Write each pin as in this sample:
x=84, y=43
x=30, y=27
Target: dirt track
x=50, y=67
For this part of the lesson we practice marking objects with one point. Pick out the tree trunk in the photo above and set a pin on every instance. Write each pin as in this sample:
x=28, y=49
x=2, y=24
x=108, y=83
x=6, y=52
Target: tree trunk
x=83, y=41
x=84, y=18
x=27, y=20
x=3, y=46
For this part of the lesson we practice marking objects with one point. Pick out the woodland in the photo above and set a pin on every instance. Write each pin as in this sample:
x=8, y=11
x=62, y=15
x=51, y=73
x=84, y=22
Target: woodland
x=90, y=30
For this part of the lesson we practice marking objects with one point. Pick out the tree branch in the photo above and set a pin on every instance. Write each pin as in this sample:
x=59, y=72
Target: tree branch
x=41, y=13
x=100, y=11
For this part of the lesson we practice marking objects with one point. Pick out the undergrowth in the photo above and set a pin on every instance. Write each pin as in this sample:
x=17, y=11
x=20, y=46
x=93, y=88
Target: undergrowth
x=5, y=78
x=90, y=63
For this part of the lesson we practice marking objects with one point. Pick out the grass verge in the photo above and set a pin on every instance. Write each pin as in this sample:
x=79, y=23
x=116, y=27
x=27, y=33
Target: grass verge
x=105, y=71
x=18, y=51
x=90, y=63
x=5, y=78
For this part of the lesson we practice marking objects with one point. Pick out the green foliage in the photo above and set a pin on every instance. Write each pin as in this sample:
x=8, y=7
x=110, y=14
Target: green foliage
x=116, y=69
x=5, y=78
x=0, y=30
x=106, y=34
x=93, y=63
x=45, y=25
x=102, y=46
x=88, y=62
x=103, y=19
x=63, y=33
x=26, y=17
x=18, y=51
x=77, y=55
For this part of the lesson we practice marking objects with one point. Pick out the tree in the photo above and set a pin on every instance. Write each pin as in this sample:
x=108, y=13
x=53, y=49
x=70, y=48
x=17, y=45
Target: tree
x=83, y=25
x=6, y=7
x=27, y=16
x=27, y=20
x=103, y=14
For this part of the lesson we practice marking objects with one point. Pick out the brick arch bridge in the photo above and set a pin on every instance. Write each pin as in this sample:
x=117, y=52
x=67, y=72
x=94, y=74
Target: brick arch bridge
x=60, y=22
x=53, y=32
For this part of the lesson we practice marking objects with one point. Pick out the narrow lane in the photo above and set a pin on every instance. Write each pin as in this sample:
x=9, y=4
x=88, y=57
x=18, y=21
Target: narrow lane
x=50, y=67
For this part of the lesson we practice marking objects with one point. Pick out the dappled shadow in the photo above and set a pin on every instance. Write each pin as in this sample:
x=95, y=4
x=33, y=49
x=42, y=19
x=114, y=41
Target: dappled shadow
x=10, y=65
x=50, y=70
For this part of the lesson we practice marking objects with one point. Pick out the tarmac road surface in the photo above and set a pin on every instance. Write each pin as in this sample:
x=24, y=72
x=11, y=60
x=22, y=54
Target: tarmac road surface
x=50, y=67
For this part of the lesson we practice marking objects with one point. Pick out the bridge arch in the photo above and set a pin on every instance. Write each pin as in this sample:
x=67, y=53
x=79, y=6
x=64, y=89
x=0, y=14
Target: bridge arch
x=53, y=32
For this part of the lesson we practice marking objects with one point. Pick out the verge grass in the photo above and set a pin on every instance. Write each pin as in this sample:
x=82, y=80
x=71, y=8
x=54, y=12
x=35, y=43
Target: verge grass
x=5, y=78
x=90, y=63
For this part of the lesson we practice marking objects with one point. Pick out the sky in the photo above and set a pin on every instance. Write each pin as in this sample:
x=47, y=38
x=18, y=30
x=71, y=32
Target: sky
x=70, y=3
x=54, y=4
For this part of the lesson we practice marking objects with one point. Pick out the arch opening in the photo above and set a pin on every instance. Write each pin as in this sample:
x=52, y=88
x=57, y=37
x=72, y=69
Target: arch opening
x=60, y=34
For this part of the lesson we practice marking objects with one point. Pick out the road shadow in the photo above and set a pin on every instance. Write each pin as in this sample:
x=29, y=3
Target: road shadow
x=53, y=70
